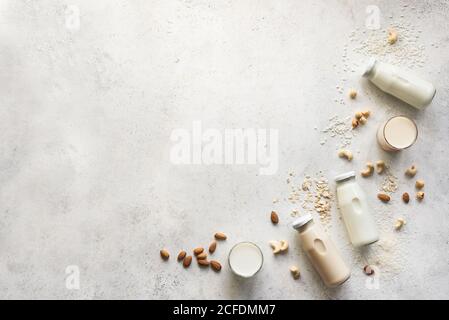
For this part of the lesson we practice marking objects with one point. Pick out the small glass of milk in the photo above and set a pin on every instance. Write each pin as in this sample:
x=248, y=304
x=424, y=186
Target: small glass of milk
x=397, y=133
x=245, y=259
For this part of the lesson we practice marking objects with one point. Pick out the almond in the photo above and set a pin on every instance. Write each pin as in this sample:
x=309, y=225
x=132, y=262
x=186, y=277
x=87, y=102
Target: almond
x=203, y=263
x=220, y=236
x=216, y=266
x=187, y=261
x=213, y=246
x=383, y=197
x=274, y=217
x=198, y=250
x=405, y=197
x=164, y=254
x=202, y=256
x=181, y=255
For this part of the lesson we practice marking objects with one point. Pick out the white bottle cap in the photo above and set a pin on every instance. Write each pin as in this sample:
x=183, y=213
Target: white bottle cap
x=302, y=221
x=344, y=176
x=369, y=67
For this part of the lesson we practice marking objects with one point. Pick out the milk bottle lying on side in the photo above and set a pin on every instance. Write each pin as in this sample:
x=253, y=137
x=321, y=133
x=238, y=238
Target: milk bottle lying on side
x=355, y=211
x=402, y=84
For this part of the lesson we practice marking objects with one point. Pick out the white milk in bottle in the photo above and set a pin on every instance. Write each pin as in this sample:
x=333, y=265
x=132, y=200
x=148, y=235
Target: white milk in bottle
x=402, y=84
x=355, y=211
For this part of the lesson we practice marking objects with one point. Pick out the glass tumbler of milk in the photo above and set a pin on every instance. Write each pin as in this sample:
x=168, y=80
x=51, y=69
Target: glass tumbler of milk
x=355, y=210
x=397, y=133
x=402, y=84
x=322, y=252
x=245, y=259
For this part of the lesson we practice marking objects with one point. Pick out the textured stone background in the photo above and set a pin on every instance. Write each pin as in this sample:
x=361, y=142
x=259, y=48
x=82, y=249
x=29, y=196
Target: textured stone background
x=85, y=120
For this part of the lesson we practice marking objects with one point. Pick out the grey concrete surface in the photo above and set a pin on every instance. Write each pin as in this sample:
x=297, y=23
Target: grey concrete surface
x=86, y=114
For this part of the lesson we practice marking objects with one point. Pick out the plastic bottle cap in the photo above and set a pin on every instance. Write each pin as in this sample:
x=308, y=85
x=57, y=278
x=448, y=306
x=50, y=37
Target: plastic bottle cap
x=344, y=176
x=302, y=221
x=369, y=67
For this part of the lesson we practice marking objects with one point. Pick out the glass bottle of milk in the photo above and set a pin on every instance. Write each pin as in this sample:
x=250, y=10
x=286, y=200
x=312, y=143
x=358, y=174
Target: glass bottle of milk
x=355, y=210
x=322, y=252
x=402, y=84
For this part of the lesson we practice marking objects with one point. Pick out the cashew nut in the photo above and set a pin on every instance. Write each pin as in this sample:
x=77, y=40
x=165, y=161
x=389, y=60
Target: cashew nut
x=380, y=166
x=368, y=171
x=366, y=113
x=295, y=272
x=352, y=94
x=392, y=36
x=399, y=223
x=279, y=246
x=345, y=154
x=420, y=195
x=362, y=120
x=419, y=184
x=358, y=115
x=275, y=246
x=355, y=123
x=284, y=245
x=411, y=171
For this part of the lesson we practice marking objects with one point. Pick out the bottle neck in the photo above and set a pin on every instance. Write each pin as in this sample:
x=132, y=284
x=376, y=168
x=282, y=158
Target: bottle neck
x=306, y=226
x=370, y=69
x=345, y=181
